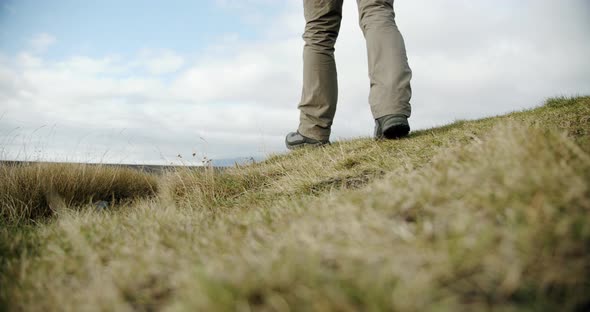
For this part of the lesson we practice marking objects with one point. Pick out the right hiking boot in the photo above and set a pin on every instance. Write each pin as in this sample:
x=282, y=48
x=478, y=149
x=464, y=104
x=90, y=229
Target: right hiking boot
x=391, y=127
x=295, y=140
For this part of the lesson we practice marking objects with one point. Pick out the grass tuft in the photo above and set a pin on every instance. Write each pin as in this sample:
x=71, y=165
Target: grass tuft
x=562, y=101
x=31, y=192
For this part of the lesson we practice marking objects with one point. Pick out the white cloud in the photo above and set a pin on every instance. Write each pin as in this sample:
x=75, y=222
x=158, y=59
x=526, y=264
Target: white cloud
x=245, y=4
x=88, y=66
x=161, y=62
x=470, y=59
x=475, y=59
x=27, y=60
x=42, y=41
x=257, y=73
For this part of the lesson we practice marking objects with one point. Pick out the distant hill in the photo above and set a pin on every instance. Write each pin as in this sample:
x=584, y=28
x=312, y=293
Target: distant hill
x=230, y=162
x=216, y=163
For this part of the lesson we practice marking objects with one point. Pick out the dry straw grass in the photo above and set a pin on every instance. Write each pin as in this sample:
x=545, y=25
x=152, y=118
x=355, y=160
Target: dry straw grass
x=478, y=215
x=34, y=191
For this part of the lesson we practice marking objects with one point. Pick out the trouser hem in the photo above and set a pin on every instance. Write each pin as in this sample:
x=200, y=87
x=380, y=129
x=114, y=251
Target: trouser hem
x=385, y=112
x=316, y=135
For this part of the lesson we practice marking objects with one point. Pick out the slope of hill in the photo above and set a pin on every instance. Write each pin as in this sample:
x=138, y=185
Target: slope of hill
x=485, y=214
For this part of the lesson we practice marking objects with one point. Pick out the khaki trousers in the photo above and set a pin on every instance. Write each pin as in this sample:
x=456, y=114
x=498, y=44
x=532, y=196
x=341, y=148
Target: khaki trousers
x=389, y=72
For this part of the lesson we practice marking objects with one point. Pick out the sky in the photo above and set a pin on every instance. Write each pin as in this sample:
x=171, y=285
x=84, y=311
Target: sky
x=160, y=82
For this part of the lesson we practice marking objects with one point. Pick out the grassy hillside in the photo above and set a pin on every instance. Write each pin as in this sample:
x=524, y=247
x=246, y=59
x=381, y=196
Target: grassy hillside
x=486, y=214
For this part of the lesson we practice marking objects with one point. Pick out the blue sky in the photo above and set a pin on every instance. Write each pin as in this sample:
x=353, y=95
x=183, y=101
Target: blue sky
x=97, y=28
x=146, y=81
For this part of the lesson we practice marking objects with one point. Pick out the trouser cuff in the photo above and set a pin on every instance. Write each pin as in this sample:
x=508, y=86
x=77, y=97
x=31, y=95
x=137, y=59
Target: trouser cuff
x=314, y=132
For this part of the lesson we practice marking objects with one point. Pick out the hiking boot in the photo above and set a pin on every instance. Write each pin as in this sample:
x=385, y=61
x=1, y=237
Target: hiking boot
x=295, y=140
x=391, y=127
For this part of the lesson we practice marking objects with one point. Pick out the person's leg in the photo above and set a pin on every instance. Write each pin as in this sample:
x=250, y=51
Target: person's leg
x=320, y=86
x=389, y=71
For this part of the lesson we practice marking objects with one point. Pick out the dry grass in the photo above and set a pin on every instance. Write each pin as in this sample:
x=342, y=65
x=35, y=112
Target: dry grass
x=34, y=191
x=488, y=214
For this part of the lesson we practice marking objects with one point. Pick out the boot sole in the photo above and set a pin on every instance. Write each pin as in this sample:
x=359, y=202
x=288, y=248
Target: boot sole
x=303, y=145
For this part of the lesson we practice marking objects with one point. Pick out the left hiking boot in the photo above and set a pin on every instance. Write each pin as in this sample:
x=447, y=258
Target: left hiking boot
x=391, y=127
x=295, y=140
